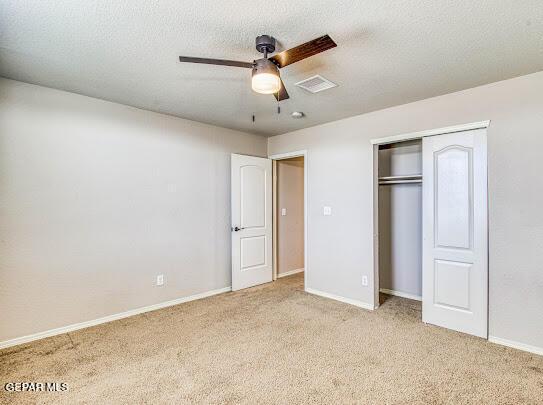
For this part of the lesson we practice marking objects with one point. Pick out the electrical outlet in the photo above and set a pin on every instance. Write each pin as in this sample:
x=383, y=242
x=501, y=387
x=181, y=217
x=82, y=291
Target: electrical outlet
x=160, y=279
x=283, y=212
x=365, y=281
x=326, y=211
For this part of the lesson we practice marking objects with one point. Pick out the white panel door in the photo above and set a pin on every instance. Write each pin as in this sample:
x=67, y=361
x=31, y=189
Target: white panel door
x=251, y=221
x=455, y=238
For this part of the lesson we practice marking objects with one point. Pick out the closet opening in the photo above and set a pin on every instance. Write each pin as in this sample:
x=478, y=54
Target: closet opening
x=430, y=226
x=400, y=220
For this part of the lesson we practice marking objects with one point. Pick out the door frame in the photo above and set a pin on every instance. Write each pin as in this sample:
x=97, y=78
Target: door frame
x=274, y=159
x=375, y=143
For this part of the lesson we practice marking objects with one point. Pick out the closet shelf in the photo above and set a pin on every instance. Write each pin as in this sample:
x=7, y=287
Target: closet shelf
x=413, y=178
x=405, y=177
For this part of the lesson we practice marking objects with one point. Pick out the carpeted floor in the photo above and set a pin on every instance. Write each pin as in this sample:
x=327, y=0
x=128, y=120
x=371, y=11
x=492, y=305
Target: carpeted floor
x=274, y=344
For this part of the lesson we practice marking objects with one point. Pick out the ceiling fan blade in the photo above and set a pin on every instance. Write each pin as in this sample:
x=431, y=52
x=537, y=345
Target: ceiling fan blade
x=303, y=51
x=221, y=62
x=282, y=93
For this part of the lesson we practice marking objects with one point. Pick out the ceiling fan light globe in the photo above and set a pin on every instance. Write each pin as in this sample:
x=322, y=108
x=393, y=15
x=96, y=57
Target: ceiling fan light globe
x=266, y=83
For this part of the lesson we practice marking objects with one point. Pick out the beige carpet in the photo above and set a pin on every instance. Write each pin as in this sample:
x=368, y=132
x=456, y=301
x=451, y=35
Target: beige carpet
x=274, y=344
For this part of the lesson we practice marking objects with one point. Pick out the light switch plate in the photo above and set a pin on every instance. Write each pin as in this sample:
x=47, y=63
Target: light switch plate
x=160, y=280
x=327, y=211
x=283, y=212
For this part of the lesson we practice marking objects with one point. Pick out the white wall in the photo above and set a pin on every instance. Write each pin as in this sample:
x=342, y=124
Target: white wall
x=339, y=163
x=97, y=198
x=290, y=227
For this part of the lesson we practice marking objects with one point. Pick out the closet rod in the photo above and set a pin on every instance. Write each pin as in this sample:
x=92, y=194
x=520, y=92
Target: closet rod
x=384, y=183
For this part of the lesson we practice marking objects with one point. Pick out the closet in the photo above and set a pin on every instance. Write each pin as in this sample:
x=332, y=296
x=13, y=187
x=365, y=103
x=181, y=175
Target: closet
x=431, y=226
x=400, y=219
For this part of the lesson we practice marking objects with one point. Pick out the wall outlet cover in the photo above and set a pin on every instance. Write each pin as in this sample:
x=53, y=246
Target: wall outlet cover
x=283, y=212
x=160, y=279
x=327, y=211
x=365, y=281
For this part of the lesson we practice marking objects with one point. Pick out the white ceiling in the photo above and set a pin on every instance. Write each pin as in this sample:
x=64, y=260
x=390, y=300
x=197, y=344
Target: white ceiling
x=389, y=52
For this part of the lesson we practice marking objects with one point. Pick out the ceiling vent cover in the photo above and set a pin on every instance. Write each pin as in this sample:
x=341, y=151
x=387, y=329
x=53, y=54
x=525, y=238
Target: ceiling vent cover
x=315, y=84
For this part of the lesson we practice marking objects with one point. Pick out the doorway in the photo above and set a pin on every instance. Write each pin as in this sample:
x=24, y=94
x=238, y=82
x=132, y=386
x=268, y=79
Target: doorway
x=257, y=256
x=290, y=215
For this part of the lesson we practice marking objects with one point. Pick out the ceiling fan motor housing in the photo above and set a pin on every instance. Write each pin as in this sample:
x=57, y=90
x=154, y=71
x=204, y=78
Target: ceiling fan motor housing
x=265, y=44
x=265, y=66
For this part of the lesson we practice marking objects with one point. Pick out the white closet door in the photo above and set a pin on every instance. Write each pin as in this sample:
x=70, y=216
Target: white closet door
x=251, y=221
x=455, y=238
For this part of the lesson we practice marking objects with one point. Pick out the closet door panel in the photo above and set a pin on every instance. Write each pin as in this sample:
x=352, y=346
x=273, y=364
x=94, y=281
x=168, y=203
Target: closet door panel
x=453, y=196
x=452, y=284
x=455, y=241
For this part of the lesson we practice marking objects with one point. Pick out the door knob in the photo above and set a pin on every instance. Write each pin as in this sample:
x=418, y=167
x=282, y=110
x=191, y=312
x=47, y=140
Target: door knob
x=236, y=229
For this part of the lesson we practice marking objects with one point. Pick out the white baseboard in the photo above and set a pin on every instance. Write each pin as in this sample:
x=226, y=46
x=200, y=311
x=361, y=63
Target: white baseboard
x=516, y=345
x=350, y=301
x=109, y=318
x=401, y=294
x=289, y=273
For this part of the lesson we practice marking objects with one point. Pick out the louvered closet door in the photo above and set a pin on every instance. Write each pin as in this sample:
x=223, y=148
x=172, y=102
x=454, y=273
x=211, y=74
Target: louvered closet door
x=455, y=239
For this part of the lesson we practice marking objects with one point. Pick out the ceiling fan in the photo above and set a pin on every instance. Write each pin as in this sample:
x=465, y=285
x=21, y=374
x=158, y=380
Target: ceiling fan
x=265, y=76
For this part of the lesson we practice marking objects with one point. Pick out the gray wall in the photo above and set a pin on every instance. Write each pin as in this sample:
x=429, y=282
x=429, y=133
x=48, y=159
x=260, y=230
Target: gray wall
x=400, y=220
x=290, y=228
x=339, y=164
x=97, y=198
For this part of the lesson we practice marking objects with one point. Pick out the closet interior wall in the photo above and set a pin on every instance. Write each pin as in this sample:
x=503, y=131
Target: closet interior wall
x=400, y=218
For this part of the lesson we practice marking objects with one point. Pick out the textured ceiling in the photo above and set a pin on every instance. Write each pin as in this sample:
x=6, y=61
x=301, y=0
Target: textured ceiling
x=389, y=52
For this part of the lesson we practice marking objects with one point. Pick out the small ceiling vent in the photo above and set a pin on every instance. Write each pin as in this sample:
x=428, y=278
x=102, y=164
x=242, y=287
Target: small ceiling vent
x=315, y=84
